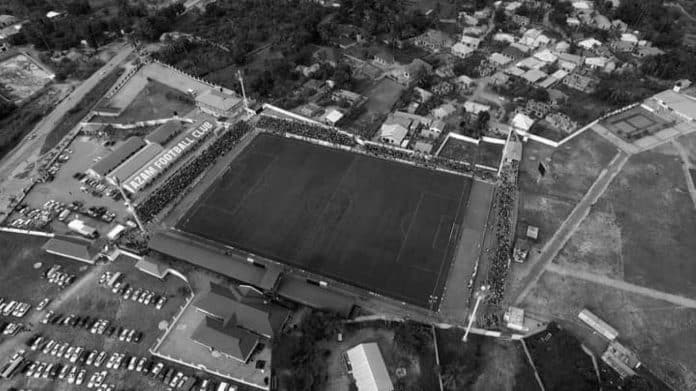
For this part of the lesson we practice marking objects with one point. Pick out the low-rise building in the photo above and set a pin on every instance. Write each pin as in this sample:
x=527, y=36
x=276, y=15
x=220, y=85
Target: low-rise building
x=470, y=42
x=568, y=62
x=395, y=129
x=475, y=107
x=218, y=102
x=366, y=366
x=561, y=122
x=589, y=43
x=444, y=110
x=534, y=75
x=499, y=60
x=462, y=51
x=580, y=82
x=433, y=40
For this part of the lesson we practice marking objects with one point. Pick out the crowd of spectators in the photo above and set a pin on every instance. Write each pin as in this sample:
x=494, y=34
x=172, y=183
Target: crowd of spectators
x=181, y=179
x=504, y=207
x=281, y=126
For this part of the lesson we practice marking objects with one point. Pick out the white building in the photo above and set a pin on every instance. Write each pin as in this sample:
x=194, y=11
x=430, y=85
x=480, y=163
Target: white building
x=461, y=50
x=368, y=368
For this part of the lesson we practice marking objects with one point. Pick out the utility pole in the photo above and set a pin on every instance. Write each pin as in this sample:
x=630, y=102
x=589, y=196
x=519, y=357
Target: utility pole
x=129, y=205
x=480, y=295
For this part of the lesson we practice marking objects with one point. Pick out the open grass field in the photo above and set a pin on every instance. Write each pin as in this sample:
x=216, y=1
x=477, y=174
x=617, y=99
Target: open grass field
x=570, y=171
x=381, y=97
x=154, y=101
x=383, y=226
x=484, y=363
x=641, y=230
x=20, y=280
x=660, y=332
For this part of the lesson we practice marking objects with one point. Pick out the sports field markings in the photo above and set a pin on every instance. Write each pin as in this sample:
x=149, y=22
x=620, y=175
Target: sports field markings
x=470, y=184
x=253, y=189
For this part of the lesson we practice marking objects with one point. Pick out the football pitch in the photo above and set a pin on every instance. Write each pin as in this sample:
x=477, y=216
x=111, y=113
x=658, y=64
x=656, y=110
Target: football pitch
x=383, y=226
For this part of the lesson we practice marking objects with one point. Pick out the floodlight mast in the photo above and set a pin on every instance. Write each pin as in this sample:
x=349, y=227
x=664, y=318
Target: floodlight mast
x=480, y=296
x=241, y=82
x=130, y=206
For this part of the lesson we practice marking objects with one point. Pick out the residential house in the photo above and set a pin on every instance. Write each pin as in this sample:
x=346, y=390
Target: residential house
x=310, y=110
x=384, y=58
x=512, y=6
x=602, y=22
x=423, y=146
x=562, y=47
x=514, y=71
x=395, y=129
x=581, y=5
x=467, y=19
x=580, y=82
x=589, y=43
x=546, y=56
x=499, y=79
x=534, y=38
x=475, y=107
x=438, y=126
x=470, y=42
x=562, y=122
x=629, y=37
x=461, y=50
x=623, y=46
x=535, y=108
x=572, y=21
x=522, y=122
x=444, y=110
x=568, y=62
x=504, y=37
x=548, y=82
x=333, y=117
x=534, y=75
x=596, y=62
x=411, y=73
x=499, y=60
x=475, y=31
x=523, y=48
x=644, y=51
x=433, y=40
x=530, y=63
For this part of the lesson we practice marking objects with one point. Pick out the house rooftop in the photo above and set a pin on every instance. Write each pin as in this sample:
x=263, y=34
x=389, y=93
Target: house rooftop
x=228, y=339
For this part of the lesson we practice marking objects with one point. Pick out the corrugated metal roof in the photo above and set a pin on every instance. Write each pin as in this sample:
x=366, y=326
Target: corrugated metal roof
x=368, y=367
x=118, y=156
x=135, y=162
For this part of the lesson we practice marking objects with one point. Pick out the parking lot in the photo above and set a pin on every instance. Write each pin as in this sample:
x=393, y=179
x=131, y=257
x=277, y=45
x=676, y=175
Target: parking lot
x=86, y=318
x=66, y=188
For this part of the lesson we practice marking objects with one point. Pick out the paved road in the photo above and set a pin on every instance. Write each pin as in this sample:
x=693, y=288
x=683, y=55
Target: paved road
x=29, y=150
x=623, y=285
x=563, y=234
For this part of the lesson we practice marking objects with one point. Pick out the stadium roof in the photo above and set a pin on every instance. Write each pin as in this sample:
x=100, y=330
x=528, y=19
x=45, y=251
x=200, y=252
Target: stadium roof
x=243, y=307
x=164, y=133
x=368, y=368
x=230, y=340
x=136, y=162
x=73, y=248
x=118, y=156
x=232, y=265
x=299, y=290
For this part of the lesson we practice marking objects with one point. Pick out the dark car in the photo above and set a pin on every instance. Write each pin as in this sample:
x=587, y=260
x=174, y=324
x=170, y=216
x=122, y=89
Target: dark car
x=110, y=331
x=138, y=337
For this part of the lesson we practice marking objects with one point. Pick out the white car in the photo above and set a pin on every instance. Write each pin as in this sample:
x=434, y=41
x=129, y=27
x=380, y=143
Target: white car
x=81, y=377
x=43, y=303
